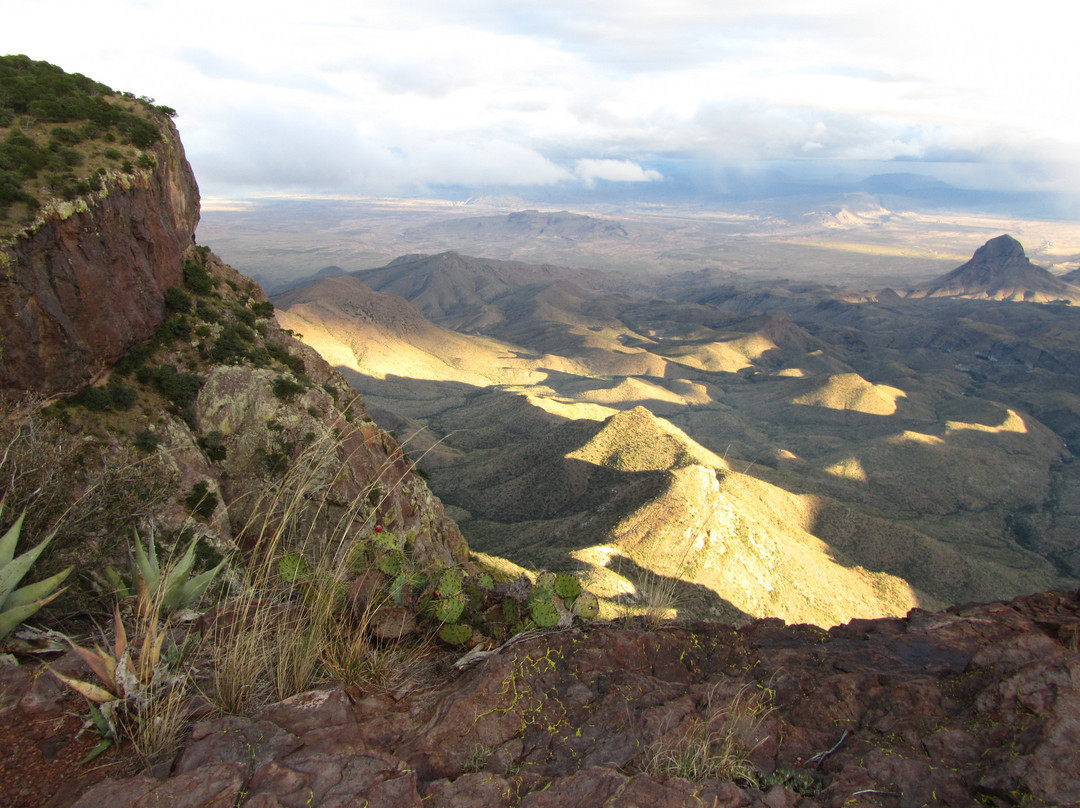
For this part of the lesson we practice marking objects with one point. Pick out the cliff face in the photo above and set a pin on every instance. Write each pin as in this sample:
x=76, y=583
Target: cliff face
x=88, y=279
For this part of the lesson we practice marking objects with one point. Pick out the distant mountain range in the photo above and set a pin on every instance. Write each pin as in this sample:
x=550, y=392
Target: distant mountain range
x=786, y=449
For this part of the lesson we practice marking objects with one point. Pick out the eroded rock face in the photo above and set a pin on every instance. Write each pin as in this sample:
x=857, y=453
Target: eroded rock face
x=88, y=281
x=347, y=468
x=975, y=705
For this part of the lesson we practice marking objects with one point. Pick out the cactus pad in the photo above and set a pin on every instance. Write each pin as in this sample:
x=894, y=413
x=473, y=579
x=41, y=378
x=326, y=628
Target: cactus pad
x=390, y=565
x=586, y=606
x=567, y=586
x=449, y=609
x=449, y=583
x=544, y=614
x=455, y=634
x=292, y=567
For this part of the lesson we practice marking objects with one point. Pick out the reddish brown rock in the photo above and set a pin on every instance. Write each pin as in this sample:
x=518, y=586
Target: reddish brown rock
x=976, y=705
x=88, y=281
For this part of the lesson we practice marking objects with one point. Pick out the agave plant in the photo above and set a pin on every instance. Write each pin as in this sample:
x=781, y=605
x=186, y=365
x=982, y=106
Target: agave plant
x=172, y=590
x=16, y=605
x=123, y=670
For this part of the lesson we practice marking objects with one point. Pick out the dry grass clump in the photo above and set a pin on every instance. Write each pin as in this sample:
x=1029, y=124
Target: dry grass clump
x=289, y=624
x=717, y=743
x=156, y=723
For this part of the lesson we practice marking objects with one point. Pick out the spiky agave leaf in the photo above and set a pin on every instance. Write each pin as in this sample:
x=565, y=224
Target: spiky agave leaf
x=10, y=538
x=17, y=567
x=96, y=694
x=39, y=593
x=192, y=589
x=172, y=588
x=11, y=618
x=145, y=572
x=18, y=604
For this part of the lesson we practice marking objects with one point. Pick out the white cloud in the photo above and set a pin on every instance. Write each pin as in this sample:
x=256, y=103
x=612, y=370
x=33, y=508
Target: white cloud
x=383, y=95
x=591, y=170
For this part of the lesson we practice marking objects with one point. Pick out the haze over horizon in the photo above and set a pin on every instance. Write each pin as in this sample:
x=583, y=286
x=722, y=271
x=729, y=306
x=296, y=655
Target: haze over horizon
x=556, y=102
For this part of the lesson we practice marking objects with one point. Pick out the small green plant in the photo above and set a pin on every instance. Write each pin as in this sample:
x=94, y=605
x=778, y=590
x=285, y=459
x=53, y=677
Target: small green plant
x=286, y=389
x=201, y=501
x=146, y=440
x=455, y=633
x=171, y=590
x=17, y=605
x=293, y=568
x=544, y=614
x=566, y=586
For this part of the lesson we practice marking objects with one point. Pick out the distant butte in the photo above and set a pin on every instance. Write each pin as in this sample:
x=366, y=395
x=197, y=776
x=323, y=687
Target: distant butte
x=1000, y=270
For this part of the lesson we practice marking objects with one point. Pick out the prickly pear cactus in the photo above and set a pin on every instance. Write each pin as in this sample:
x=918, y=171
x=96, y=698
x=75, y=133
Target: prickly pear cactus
x=449, y=609
x=545, y=580
x=455, y=634
x=357, y=561
x=539, y=594
x=485, y=581
x=449, y=583
x=511, y=612
x=292, y=567
x=566, y=587
x=544, y=614
x=586, y=606
x=390, y=565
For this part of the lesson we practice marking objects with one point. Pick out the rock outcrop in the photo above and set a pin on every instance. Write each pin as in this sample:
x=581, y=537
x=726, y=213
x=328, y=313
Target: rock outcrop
x=87, y=280
x=975, y=705
x=1000, y=270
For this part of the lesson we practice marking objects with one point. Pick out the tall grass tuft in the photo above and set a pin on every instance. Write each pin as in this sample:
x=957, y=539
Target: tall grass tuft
x=717, y=743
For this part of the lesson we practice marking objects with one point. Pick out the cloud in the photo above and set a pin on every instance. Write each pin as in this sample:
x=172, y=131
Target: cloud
x=398, y=96
x=590, y=170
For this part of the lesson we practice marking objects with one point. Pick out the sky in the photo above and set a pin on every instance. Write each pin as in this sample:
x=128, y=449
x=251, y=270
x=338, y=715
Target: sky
x=700, y=99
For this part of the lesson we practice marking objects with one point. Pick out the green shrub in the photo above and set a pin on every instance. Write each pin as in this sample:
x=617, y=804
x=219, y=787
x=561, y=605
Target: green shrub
x=264, y=309
x=282, y=355
x=229, y=348
x=180, y=389
x=213, y=446
x=134, y=359
x=197, y=279
x=177, y=300
x=286, y=389
x=243, y=315
x=91, y=398
x=121, y=396
x=205, y=312
x=174, y=328
x=201, y=501
x=146, y=440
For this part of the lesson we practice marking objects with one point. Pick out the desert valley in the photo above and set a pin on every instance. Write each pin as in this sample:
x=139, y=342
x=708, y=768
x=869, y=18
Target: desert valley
x=400, y=504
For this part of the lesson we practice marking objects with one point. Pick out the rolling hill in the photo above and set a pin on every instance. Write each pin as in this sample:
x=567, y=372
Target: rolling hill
x=784, y=449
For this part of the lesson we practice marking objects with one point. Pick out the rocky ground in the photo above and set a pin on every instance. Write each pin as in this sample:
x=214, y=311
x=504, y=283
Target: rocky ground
x=977, y=705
